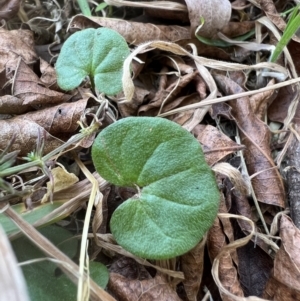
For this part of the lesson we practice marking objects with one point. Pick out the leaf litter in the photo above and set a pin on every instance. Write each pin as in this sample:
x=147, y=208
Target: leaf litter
x=216, y=91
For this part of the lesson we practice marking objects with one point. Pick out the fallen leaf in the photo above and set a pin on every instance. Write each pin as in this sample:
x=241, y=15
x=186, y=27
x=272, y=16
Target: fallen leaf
x=32, y=90
x=156, y=288
x=215, y=242
x=254, y=269
x=15, y=44
x=216, y=145
x=255, y=135
x=279, y=108
x=261, y=101
x=192, y=267
x=48, y=74
x=59, y=119
x=13, y=105
x=129, y=268
x=169, y=88
x=284, y=282
x=26, y=134
x=133, y=32
x=234, y=29
x=216, y=14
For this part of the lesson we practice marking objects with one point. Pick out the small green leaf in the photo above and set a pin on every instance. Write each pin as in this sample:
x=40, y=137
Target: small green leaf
x=177, y=197
x=44, y=279
x=97, y=53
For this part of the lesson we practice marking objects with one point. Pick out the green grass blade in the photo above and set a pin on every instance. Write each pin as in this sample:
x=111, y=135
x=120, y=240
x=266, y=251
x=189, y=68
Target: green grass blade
x=291, y=28
x=84, y=7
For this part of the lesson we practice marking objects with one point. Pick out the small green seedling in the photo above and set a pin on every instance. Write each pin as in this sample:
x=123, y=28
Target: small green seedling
x=176, y=197
x=97, y=53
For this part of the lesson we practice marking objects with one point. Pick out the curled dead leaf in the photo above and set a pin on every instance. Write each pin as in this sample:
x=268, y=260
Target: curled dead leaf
x=134, y=32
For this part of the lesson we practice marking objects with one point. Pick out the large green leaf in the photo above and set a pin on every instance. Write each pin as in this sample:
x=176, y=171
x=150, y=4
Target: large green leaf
x=97, y=53
x=44, y=279
x=177, y=196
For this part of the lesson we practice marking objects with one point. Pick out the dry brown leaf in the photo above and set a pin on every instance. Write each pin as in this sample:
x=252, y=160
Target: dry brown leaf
x=215, y=242
x=278, y=110
x=133, y=32
x=15, y=44
x=156, y=288
x=131, y=109
x=48, y=74
x=59, y=119
x=254, y=268
x=242, y=207
x=32, y=90
x=13, y=105
x=234, y=29
x=192, y=267
x=284, y=283
x=26, y=134
x=270, y=10
x=169, y=88
x=129, y=268
x=9, y=8
x=182, y=118
x=216, y=14
x=215, y=144
x=255, y=135
x=260, y=102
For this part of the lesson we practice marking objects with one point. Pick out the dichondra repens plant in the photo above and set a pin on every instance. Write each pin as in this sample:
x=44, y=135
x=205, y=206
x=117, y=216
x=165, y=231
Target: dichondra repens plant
x=97, y=53
x=176, y=197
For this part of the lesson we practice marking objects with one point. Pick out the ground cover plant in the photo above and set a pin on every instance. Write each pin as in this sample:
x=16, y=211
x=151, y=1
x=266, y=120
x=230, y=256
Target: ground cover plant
x=149, y=150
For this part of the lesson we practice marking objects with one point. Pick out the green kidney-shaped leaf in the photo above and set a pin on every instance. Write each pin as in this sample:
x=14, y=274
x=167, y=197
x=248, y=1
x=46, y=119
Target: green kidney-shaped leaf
x=97, y=53
x=177, y=197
